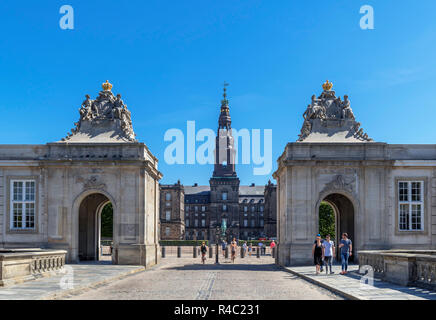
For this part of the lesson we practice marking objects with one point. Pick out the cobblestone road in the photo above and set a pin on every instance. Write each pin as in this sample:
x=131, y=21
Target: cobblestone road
x=186, y=278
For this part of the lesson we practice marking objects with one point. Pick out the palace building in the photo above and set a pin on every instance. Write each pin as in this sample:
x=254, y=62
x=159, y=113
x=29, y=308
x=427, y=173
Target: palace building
x=52, y=195
x=194, y=212
x=383, y=195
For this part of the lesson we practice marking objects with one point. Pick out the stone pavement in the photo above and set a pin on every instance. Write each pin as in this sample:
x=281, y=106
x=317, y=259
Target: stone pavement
x=84, y=276
x=187, y=279
x=350, y=286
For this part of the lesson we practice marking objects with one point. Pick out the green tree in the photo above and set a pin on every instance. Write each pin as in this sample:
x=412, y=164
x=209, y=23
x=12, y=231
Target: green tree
x=326, y=220
x=107, y=221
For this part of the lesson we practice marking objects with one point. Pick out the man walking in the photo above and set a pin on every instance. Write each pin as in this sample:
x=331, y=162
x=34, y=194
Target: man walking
x=328, y=252
x=346, y=251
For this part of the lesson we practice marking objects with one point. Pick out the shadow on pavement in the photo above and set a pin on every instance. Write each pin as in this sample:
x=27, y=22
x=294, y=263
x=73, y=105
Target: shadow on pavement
x=227, y=266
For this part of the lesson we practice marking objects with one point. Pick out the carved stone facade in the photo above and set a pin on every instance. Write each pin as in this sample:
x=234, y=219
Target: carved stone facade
x=67, y=183
x=383, y=195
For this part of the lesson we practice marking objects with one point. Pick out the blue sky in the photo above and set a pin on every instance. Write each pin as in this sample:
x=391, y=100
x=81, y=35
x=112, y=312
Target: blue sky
x=169, y=59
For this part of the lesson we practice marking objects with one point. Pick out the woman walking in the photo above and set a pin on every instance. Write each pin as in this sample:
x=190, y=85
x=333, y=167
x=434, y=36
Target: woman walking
x=317, y=253
x=203, y=250
x=250, y=249
x=233, y=248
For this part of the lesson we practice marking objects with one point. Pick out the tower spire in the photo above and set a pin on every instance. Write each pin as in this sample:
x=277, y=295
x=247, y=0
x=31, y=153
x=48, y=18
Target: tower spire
x=224, y=121
x=225, y=101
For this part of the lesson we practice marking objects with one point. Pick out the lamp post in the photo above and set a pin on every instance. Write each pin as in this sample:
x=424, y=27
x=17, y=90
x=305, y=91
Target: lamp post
x=220, y=233
x=217, y=237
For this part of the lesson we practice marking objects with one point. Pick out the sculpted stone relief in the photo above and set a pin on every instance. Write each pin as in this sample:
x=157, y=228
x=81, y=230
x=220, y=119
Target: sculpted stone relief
x=331, y=111
x=339, y=183
x=105, y=108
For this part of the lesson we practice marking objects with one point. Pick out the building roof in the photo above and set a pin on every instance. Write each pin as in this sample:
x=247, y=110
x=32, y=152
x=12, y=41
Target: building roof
x=197, y=190
x=251, y=190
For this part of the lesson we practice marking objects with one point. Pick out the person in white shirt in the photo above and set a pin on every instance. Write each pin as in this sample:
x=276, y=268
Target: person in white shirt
x=328, y=252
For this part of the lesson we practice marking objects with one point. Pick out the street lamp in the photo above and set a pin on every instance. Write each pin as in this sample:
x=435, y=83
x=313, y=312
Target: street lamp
x=220, y=233
x=217, y=237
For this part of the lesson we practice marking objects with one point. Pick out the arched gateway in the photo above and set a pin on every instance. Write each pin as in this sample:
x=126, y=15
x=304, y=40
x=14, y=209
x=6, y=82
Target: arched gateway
x=382, y=195
x=67, y=184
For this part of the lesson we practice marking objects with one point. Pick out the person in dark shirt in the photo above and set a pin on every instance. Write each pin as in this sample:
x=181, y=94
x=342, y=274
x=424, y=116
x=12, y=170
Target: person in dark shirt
x=203, y=250
x=346, y=248
x=317, y=253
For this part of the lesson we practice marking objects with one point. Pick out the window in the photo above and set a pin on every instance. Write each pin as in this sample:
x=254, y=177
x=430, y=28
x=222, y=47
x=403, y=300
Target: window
x=23, y=204
x=245, y=223
x=203, y=222
x=187, y=222
x=261, y=223
x=196, y=223
x=167, y=231
x=187, y=208
x=252, y=209
x=245, y=209
x=224, y=195
x=253, y=223
x=261, y=208
x=411, y=205
x=196, y=209
x=167, y=196
x=203, y=208
x=224, y=207
x=168, y=215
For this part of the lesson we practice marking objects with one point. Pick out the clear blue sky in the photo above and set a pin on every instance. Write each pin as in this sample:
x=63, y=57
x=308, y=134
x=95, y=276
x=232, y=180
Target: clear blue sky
x=169, y=59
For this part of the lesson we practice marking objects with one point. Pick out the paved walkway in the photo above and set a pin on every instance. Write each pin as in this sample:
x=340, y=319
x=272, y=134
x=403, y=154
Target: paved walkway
x=83, y=276
x=351, y=287
x=187, y=279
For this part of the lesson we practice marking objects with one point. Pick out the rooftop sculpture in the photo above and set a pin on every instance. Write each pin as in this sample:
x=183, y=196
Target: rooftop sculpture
x=329, y=119
x=105, y=119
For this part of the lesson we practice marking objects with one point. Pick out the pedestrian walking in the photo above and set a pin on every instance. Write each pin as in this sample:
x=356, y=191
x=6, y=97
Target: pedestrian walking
x=322, y=262
x=224, y=246
x=260, y=245
x=317, y=253
x=203, y=250
x=245, y=247
x=250, y=249
x=328, y=252
x=233, y=248
x=346, y=247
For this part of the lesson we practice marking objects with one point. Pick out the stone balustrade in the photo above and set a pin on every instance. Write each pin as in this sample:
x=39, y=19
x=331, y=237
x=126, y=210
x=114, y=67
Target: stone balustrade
x=18, y=265
x=404, y=267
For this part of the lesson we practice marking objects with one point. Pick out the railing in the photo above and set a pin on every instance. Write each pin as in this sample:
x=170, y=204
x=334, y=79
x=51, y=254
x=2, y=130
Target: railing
x=42, y=264
x=405, y=267
x=426, y=271
x=18, y=265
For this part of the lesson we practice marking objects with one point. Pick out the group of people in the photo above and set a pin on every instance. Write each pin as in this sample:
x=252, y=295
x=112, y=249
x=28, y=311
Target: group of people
x=233, y=248
x=323, y=252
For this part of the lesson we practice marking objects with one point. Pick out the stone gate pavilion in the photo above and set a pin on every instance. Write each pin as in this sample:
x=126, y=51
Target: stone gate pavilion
x=52, y=195
x=383, y=195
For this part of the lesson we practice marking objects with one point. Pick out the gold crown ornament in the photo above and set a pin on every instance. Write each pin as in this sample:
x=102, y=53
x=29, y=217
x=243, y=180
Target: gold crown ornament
x=107, y=86
x=327, y=86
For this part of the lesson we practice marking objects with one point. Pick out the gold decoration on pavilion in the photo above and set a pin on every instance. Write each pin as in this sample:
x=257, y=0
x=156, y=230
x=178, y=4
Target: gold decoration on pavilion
x=327, y=86
x=107, y=86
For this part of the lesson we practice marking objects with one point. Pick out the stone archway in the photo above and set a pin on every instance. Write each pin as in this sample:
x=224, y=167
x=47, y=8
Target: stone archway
x=89, y=215
x=345, y=213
